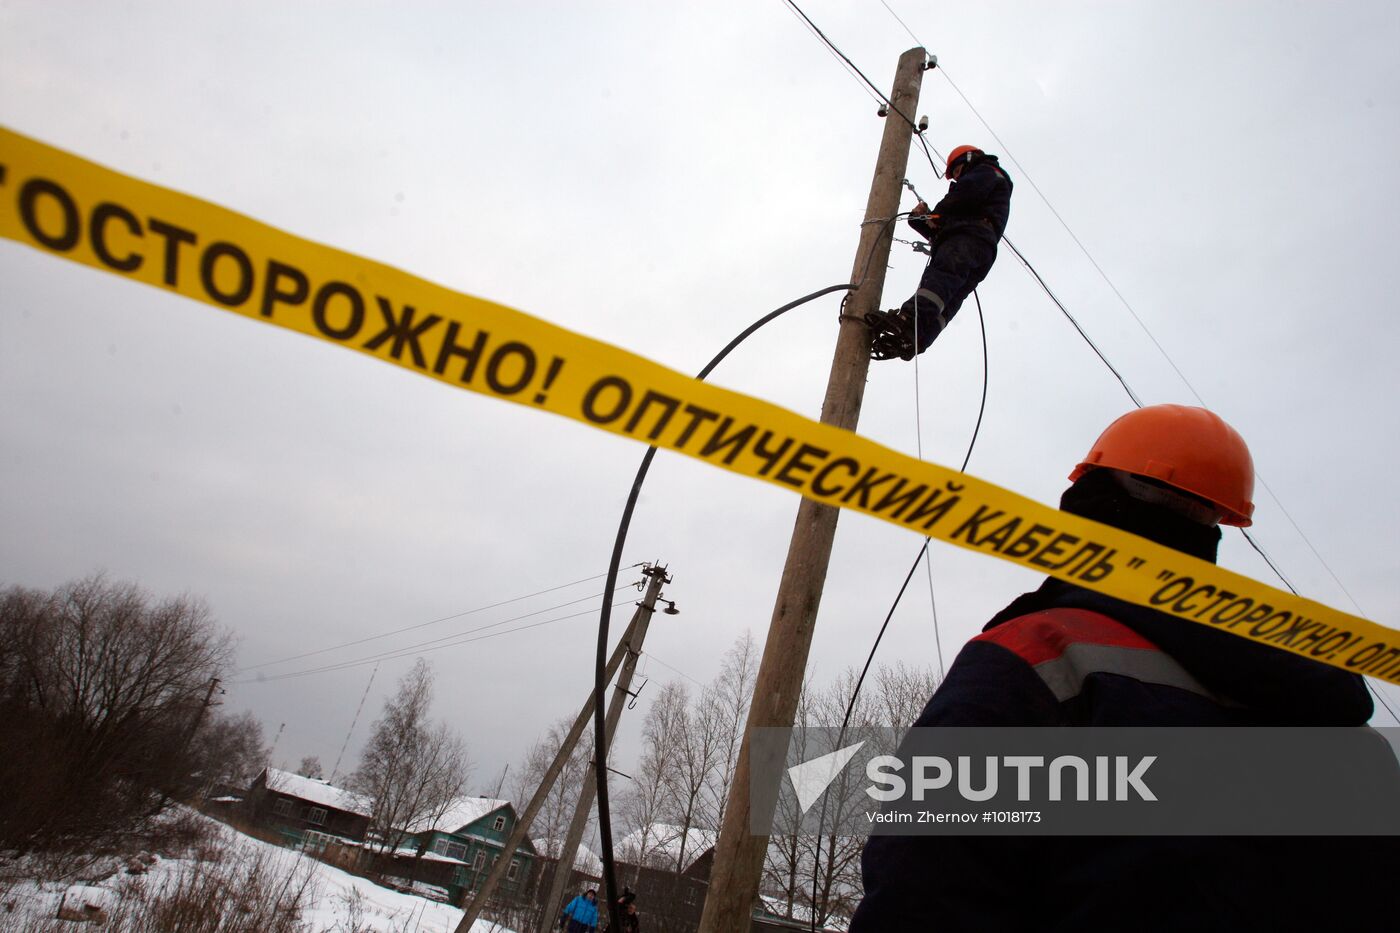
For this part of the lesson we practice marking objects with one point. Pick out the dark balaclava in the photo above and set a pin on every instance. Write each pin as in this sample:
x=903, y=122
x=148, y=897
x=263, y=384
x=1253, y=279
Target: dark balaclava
x=1097, y=496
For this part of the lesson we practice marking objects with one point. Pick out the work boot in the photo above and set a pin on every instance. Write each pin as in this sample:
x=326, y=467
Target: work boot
x=892, y=334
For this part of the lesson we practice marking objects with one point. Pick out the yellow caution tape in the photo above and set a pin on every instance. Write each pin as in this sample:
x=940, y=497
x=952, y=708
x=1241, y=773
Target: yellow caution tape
x=61, y=204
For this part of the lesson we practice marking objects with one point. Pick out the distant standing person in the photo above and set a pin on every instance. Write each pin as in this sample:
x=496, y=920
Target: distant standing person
x=631, y=920
x=581, y=914
x=963, y=230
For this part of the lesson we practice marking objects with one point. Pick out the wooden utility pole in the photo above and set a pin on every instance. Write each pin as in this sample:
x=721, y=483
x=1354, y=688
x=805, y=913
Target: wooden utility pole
x=564, y=868
x=739, y=853
x=532, y=809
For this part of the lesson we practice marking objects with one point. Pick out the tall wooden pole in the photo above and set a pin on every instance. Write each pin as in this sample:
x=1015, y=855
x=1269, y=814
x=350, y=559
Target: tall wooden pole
x=527, y=816
x=739, y=852
x=621, y=691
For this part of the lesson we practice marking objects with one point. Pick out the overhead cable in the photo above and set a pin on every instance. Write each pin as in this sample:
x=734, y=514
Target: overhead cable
x=409, y=628
x=435, y=644
x=869, y=85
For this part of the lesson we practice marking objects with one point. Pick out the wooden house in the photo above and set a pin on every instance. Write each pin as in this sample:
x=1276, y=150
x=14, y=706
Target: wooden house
x=456, y=850
x=307, y=811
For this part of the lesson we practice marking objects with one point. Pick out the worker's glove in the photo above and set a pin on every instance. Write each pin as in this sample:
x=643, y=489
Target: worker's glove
x=923, y=223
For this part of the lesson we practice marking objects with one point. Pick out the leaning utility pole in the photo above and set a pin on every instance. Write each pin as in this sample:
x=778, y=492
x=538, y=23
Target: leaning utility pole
x=739, y=853
x=532, y=809
x=564, y=867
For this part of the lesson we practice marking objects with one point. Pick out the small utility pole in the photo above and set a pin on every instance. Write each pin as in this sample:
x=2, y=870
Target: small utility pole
x=189, y=736
x=199, y=713
x=739, y=853
x=623, y=690
x=527, y=816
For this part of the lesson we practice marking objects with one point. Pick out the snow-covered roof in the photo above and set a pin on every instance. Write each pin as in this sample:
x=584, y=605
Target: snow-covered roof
x=317, y=791
x=661, y=842
x=777, y=907
x=585, y=859
x=462, y=812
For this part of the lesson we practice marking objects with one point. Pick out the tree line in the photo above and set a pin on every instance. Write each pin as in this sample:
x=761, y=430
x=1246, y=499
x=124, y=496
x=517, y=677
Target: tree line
x=106, y=710
x=110, y=695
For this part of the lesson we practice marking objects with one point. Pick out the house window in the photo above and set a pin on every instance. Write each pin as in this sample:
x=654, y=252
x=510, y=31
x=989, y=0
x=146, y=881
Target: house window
x=282, y=806
x=440, y=847
x=456, y=850
x=312, y=841
x=480, y=861
x=514, y=871
x=317, y=815
x=500, y=823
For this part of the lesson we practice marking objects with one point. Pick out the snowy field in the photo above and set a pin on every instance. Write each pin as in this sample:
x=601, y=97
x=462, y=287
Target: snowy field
x=330, y=900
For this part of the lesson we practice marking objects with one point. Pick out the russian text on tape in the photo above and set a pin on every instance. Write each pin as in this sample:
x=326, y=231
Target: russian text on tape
x=62, y=204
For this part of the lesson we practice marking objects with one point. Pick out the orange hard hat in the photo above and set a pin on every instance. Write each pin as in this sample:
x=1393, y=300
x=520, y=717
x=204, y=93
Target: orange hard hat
x=960, y=153
x=1186, y=448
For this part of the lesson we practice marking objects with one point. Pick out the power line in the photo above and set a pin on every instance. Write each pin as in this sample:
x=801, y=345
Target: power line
x=843, y=57
x=902, y=23
x=1254, y=544
x=1140, y=323
x=670, y=667
x=1376, y=692
x=1132, y=311
x=409, y=628
x=1073, y=236
x=846, y=63
x=869, y=85
x=1065, y=311
x=406, y=653
x=480, y=628
x=433, y=643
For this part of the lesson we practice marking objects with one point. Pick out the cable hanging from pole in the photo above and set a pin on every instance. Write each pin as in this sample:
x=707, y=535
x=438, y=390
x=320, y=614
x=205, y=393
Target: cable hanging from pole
x=923, y=553
x=599, y=679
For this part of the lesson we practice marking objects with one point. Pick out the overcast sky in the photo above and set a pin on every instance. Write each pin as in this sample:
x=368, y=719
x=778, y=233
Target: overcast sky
x=658, y=176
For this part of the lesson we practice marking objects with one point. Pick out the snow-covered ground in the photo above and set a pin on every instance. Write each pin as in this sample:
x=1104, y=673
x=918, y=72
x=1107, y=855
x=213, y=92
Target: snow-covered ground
x=336, y=901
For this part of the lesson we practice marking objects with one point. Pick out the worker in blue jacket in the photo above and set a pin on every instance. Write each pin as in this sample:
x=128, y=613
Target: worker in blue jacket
x=1065, y=656
x=963, y=230
x=581, y=914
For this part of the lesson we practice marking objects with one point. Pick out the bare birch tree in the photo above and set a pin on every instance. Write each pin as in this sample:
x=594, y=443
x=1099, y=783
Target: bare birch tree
x=411, y=769
x=808, y=873
x=552, y=822
x=731, y=694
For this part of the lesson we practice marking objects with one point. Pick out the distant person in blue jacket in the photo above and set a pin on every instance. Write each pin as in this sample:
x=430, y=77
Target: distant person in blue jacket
x=581, y=914
x=1065, y=656
x=963, y=230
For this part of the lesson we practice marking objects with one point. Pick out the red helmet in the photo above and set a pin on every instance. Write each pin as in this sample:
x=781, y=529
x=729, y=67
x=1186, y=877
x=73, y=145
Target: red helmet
x=961, y=156
x=1189, y=449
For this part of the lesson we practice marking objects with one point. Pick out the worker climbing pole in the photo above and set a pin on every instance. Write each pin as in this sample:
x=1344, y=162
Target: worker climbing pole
x=963, y=230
